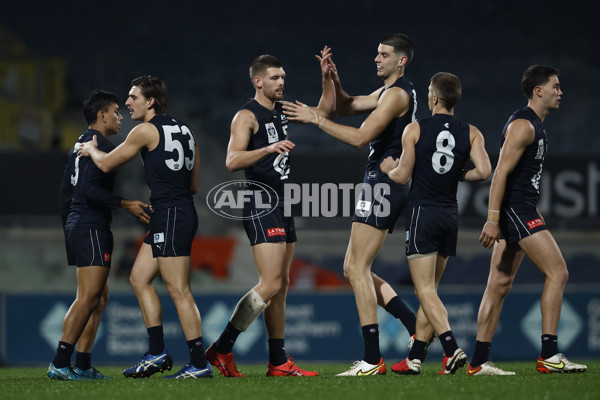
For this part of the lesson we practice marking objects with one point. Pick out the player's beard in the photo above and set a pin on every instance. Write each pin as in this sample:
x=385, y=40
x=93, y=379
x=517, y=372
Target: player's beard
x=276, y=95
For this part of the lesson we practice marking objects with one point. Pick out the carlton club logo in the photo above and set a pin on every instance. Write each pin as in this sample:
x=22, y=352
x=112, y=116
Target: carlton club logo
x=228, y=199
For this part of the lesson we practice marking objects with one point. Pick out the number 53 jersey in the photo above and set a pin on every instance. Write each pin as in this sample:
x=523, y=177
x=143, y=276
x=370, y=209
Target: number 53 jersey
x=169, y=166
x=441, y=153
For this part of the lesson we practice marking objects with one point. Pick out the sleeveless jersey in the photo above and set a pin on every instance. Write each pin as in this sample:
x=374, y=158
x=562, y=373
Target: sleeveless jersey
x=443, y=149
x=389, y=142
x=523, y=183
x=86, y=192
x=273, y=169
x=169, y=166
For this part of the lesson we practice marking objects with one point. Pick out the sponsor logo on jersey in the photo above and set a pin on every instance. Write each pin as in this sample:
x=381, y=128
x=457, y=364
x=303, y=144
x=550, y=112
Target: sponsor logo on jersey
x=534, y=223
x=276, y=232
x=106, y=257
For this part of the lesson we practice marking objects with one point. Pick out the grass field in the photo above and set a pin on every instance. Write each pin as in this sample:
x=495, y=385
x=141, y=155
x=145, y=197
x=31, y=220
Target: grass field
x=32, y=383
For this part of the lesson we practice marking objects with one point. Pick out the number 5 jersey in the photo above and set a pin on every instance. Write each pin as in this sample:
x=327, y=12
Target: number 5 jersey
x=169, y=166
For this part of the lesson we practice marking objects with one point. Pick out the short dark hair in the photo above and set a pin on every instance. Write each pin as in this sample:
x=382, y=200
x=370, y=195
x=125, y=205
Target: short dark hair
x=536, y=75
x=260, y=64
x=152, y=86
x=97, y=100
x=401, y=44
x=448, y=88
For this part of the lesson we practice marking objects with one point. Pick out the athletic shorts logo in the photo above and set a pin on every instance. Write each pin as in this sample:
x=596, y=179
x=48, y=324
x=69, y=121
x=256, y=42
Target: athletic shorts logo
x=363, y=208
x=276, y=232
x=159, y=237
x=534, y=223
x=106, y=257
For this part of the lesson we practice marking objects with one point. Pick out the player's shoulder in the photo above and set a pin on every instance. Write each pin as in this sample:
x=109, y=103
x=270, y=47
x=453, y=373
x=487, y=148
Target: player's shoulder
x=521, y=124
x=394, y=92
x=143, y=128
x=104, y=144
x=244, y=115
x=474, y=132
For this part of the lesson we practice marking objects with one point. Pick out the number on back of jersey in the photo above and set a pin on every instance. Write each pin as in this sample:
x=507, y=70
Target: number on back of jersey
x=176, y=144
x=443, y=158
x=75, y=176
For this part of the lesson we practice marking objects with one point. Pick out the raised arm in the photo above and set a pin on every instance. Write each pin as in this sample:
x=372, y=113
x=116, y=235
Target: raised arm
x=479, y=157
x=143, y=135
x=346, y=104
x=519, y=134
x=94, y=191
x=400, y=170
x=243, y=126
x=326, y=107
x=393, y=103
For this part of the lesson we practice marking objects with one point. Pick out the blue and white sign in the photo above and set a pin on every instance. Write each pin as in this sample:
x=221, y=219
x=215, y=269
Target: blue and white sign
x=318, y=327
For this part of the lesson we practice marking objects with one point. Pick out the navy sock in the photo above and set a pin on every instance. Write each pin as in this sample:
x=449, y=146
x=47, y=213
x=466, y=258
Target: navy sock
x=448, y=343
x=417, y=350
x=370, y=334
x=277, y=353
x=63, y=355
x=481, y=354
x=83, y=361
x=399, y=310
x=197, y=357
x=156, y=340
x=227, y=339
x=549, y=346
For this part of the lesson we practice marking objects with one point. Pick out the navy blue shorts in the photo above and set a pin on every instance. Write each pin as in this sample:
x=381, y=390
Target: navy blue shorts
x=272, y=227
x=89, y=246
x=430, y=229
x=172, y=231
x=517, y=223
x=381, y=201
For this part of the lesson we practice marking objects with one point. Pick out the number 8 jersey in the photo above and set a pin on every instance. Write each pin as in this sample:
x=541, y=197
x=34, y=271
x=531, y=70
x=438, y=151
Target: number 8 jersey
x=441, y=153
x=169, y=166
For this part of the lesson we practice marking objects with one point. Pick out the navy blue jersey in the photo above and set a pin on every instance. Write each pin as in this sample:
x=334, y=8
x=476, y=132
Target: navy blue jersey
x=273, y=169
x=389, y=142
x=443, y=149
x=523, y=183
x=86, y=193
x=169, y=166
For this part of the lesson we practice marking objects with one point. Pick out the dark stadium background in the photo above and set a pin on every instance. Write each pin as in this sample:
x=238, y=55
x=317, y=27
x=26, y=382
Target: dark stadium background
x=53, y=53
